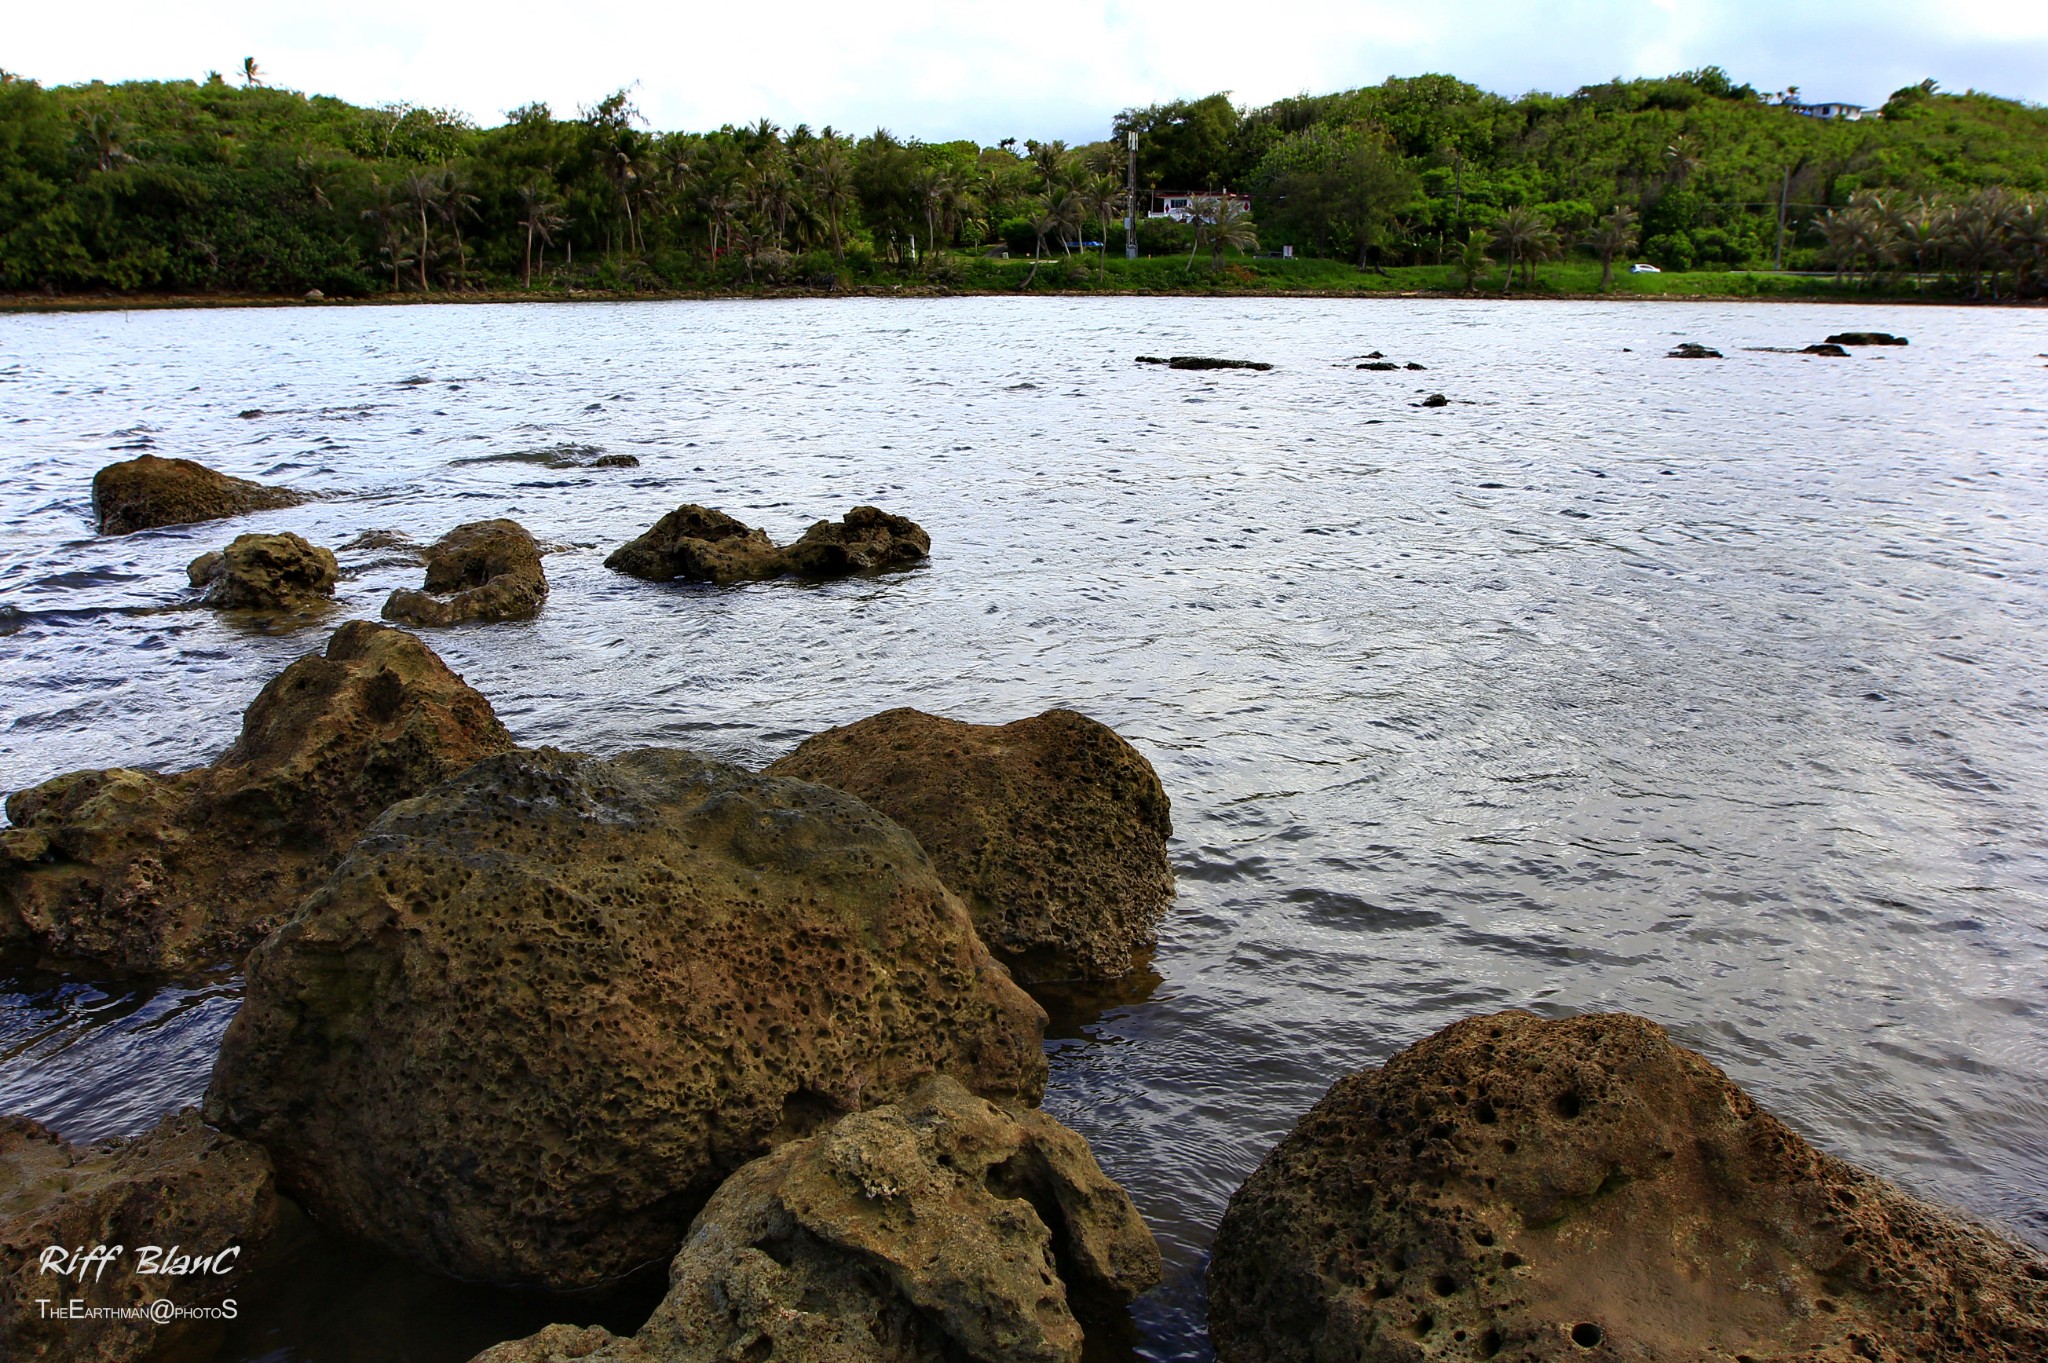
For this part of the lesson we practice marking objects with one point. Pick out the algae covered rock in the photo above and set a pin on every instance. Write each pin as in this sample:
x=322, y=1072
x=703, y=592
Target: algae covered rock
x=1547, y=1190
x=935, y=1229
x=202, y=1201
x=266, y=573
x=148, y=491
x=485, y=570
x=697, y=544
x=542, y=1011
x=866, y=539
x=148, y=871
x=1052, y=829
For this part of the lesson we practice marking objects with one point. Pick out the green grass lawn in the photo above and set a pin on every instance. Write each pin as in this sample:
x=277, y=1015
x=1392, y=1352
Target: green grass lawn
x=1239, y=274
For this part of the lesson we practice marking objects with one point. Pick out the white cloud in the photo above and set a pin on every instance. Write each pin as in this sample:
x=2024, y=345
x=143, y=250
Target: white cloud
x=988, y=72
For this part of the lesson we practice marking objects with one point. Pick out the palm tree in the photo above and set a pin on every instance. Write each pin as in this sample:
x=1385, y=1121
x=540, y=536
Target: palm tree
x=828, y=177
x=1472, y=259
x=1104, y=199
x=423, y=192
x=250, y=74
x=389, y=217
x=1051, y=160
x=1527, y=237
x=1614, y=235
x=1683, y=157
x=541, y=217
x=103, y=133
x=456, y=202
x=1977, y=235
x=1222, y=224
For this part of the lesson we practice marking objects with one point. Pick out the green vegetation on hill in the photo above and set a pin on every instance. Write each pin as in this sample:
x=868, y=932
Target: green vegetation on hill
x=183, y=187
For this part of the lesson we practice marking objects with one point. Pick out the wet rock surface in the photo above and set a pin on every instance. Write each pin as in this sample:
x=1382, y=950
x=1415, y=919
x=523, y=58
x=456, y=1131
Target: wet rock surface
x=149, y=491
x=698, y=544
x=266, y=573
x=1692, y=350
x=541, y=1012
x=1202, y=362
x=1052, y=829
x=163, y=872
x=1545, y=1190
x=1865, y=338
x=485, y=571
x=1435, y=400
x=180, y=1188
x=939, y=1228
x=1827, y=348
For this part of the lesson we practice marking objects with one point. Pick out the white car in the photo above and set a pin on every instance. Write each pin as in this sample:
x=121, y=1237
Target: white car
x=1644, y=269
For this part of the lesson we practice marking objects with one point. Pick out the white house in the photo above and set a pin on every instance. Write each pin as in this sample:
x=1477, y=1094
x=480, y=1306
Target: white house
x=1179, y=204
x=1851, y=112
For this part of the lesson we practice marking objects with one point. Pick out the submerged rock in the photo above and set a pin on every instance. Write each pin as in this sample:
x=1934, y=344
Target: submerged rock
x=697, y=544
x=1692, y=350
x=148, y=491
x=1552, y=1190
x=180, y=1189
x=485, y=570
x=1379, y=365
x=1435, y=400
x=153, y=872
x=936, y=1229
x=1202, y=362
x=1829, y=348
x=865, y=540
x=266, y=572
x=542, y=1011
x=1865, y=338
x=1052, y=829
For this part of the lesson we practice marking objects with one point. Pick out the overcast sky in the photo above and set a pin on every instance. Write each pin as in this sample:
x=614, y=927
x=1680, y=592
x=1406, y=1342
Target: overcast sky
x=941, y=71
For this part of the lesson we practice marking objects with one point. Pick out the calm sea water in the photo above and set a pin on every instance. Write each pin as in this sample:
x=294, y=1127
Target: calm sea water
x=1713, y=691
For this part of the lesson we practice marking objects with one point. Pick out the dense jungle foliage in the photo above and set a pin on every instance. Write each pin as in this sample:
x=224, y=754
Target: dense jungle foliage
x=236, y=187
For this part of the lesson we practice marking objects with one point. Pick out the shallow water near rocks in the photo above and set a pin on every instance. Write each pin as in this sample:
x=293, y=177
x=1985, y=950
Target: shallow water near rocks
x=1709, y=690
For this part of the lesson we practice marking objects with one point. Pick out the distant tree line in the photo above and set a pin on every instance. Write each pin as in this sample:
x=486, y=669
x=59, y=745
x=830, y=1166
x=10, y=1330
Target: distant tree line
x=216, y=186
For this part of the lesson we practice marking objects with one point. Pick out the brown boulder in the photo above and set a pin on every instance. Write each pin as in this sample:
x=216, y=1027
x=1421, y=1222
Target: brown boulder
x=1583, y=1188
x=149, y=491
x=1053, y=829
x=937, y=1229
x=697, y=544
x=180, y=1189
x=867, y=539
x=542, y=1011
x=163, y=872
x=267, y=573
x=486, y=570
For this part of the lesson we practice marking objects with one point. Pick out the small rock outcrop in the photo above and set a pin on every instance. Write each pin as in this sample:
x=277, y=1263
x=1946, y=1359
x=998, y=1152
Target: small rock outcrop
x=1693, y=350
x=867, y=539
x=698, y=544
x=147, y=491
x=1435, y=400
x=541, y=1012
x=485, y=570
x=937, y=1229
x=1052, y=829
x=1201, y=362
x=1865, y=338
x=1560, y=1190
x=180, y=1188
x=1826, y=348
x=163, y=872
x=266, y=573
x=1379, y=365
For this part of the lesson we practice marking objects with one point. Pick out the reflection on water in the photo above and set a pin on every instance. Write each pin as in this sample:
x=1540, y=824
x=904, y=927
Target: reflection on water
x=1709, y=690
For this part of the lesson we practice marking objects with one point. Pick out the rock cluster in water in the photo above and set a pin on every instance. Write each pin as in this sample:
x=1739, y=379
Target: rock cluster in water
x=147, y=871
x=1202, y=362
x=698, y=544
x=935, y=1229
x=180, y=1188
x=266, y=573
x=540, y=1012
x=1693, y=350
x=1559, y=1190
x=1052, y=829
x=148, y=491
x=485, y=570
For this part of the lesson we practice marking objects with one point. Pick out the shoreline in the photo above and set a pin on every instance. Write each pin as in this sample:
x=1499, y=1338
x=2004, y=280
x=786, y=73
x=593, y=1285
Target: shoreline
x=69, y=303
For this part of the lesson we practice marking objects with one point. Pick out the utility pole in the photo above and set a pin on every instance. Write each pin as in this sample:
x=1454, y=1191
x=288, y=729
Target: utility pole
x=1784, y=192
x=1131, y=204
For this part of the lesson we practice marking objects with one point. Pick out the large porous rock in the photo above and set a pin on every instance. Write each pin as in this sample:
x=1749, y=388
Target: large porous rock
x=1053, y=829
x=161, y=872
x=266, y=573
x=485, y=570
x=697, y=544
x=149, y=491
x=1547, y=1190
x=938, y=1229
x=181, y=1211
x=542, y=1011
x=864, y=540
